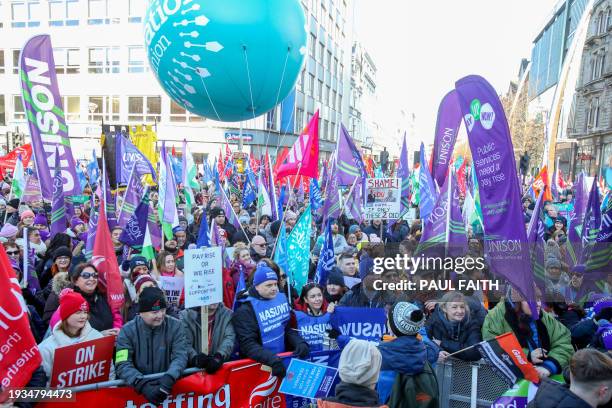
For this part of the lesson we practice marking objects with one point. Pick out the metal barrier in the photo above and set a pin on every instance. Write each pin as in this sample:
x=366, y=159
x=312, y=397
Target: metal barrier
x=466, y=384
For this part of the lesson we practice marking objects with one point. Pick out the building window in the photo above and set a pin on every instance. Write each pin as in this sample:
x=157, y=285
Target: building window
x=26, y=13
x=103, y=108
x=326, y=95
x=178, y=114
x=104, y=60
x=16, y=61
x=144, y=108
x=72, y=107
x=320, y=91
x=103, y=12
x=1, y=61
x=593, y=113
x=67, y=60
x=136, y=11
x=321, y=55
x=312, y=45
x=300, y=81
x=602, y=64
x=2, y=111
x=18, y=110
x=136, y=59
x=311, y=82
x=63, y=13
x=271, y=120
x=299, y=119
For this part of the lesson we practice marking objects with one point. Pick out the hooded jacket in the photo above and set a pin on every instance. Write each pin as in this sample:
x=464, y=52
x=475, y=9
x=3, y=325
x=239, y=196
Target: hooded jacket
x=553, y=394
x=60, y=339
x=407, y=354
x=223, y=335
x=143, y=350
x=455, y=336
x=249, y=336
x=351, y=395
x=552, y=334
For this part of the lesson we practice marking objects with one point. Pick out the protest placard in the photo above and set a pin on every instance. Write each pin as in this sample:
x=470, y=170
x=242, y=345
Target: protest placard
x=308, y=380
x=82, y=363
x=172, y=286
x=383, y=198
x=203, y=277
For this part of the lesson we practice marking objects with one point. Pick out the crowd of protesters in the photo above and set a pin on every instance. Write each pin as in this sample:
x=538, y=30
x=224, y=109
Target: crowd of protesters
x=67, y=303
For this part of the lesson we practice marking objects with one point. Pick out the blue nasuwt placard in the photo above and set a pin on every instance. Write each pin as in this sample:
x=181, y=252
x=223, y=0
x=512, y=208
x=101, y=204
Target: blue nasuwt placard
x=360, y=322
x=308, y=380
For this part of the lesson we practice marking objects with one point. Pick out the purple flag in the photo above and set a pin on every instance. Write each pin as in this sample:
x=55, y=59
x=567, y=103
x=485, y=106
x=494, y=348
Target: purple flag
x=456, y=234
x=58, y=209
x=500, y=194
x=348, y=160
x=154, y=229
x=403, y=173
x=133, y=234
x=447, y=127
x=169, y=189
x=535, y=237
x=592, y=222
x=111, y=214
x=576, y=218
x=126, y=156
x=599, y=263
x=131, y=199
x=229, y=211
x=354, y=204
x=32, y=190
x=434, y=234
x=43, y=105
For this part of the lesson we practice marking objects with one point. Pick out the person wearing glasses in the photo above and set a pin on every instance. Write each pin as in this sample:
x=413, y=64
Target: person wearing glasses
x=259, y=249
x=74, y=327
x=84, y=280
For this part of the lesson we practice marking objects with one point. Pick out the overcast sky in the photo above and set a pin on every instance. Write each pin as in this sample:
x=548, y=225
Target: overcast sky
x=421, y=48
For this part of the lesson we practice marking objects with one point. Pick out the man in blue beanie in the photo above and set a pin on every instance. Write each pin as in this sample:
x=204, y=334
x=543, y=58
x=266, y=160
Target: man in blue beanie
x=261, y=323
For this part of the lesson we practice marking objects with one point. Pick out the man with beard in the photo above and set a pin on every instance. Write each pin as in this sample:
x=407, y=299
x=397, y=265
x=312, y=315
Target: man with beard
x=259, y=248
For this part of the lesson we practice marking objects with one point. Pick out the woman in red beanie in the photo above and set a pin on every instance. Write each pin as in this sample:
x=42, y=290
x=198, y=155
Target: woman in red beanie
x=73, y=328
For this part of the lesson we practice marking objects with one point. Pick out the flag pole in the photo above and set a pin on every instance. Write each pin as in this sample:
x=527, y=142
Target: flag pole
x=284, y=212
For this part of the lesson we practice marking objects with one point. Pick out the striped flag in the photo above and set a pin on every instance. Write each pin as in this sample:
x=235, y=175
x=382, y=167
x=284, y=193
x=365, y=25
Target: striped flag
x=58, y=207
x=506, y=357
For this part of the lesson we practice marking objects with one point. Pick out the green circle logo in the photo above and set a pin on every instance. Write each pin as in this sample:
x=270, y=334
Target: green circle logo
x=475, y=109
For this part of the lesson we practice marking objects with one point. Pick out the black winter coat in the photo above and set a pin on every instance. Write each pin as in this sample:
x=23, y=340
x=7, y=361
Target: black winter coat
x=249, y=336
x=455, y=337
x=100, y=313
x=552, y=394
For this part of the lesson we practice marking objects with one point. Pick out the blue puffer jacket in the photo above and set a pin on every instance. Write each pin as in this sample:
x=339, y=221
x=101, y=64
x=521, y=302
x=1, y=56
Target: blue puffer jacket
x=407, y=354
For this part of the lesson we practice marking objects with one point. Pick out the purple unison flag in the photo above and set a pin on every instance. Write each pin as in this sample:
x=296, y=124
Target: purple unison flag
x=133, y=234
x=126, y=156
x=43, y=106
x=427, y=188
x=592, y=222
x=456, y=234
x=447, y=127
x=600, y=259
x=500, y=194
x=154, y=229
x=58, y=209
x=348, y=160
x=535, y=238
x=131, y=199
x=434, y=234
x=403, y=173
x=576, y=218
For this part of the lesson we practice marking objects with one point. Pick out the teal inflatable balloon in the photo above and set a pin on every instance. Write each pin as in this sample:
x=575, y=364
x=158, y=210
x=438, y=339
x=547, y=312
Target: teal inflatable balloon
x=226, y=60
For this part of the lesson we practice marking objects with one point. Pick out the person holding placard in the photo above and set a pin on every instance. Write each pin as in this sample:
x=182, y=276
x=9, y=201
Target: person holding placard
x=261, y=323
x=73, y=328
x=221, y=336
x=313, y=314
x=151, y=343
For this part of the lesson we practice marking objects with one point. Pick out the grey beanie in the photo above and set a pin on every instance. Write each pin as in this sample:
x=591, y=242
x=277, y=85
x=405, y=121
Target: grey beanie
x=553, y=262
x=360, y=363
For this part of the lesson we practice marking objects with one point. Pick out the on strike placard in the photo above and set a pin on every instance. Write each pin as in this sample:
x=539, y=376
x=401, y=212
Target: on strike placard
x=203, y=276
x=82, y=363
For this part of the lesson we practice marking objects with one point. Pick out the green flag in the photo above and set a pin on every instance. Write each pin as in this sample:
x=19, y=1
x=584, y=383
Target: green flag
x=19, y=181
x=298, y=246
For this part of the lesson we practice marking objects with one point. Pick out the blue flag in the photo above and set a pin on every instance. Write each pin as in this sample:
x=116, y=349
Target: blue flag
x=316, y=200
x=93, y=170
x=281, y=199
x=248, y=193
x=203, y=240
x=81, y=176
x=240, y=287
x=360, y=322
x=280, y=252
x=427, y=189
x=327, y=260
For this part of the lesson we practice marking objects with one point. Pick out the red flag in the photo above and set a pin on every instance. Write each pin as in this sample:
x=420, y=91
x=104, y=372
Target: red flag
x=507, y=358
x=20, y=356
x=541, y=184
x=303, y=157
x=560, y=181
x=106, y=262
x=8, y=161
x=173, y=152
